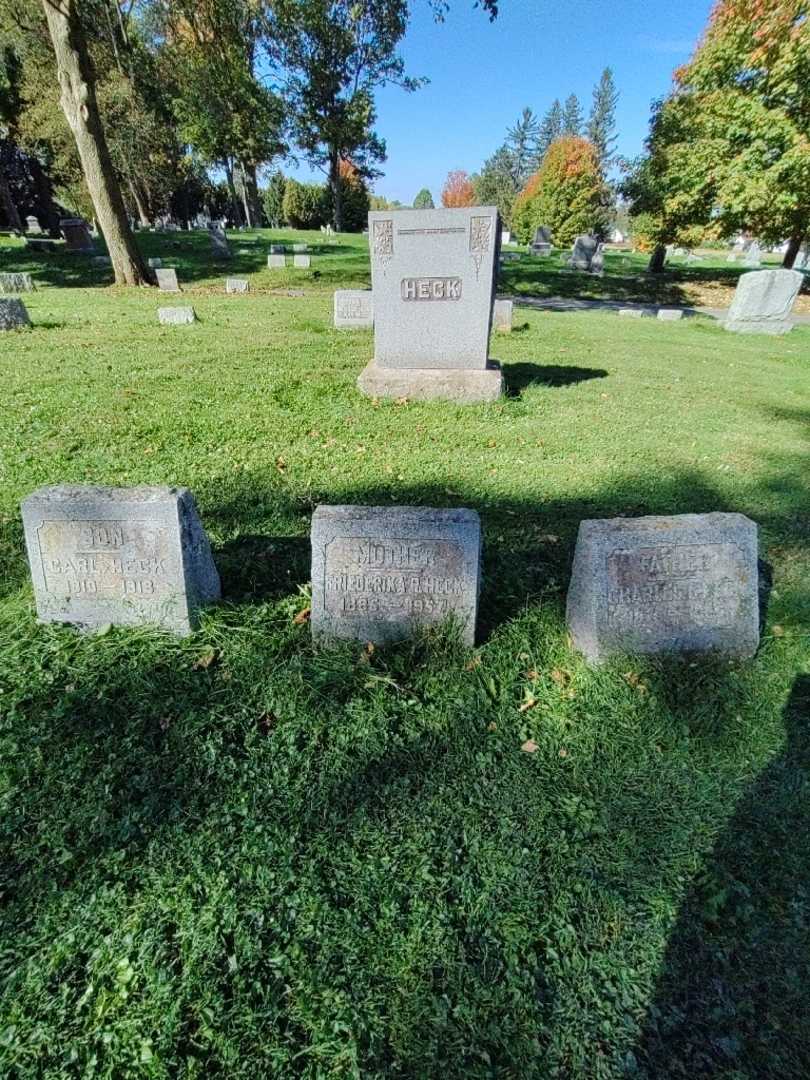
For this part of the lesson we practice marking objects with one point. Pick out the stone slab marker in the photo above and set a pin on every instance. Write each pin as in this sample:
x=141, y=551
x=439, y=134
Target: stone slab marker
x=154, y=263
x=167, y=279
x=433, y=274
x=354, y=309
x=585, y=248
x=669, y=314
x=276, y=262
x=277, y=249
x=763, y=301
x=502, y=316
x=77, y=235
x=33, y=226
x=237, y=285
x=686, y=584
x=300, y=249
x=122, y=556
x=381, y=573
x=176, y=316
x=13, y=315
x=301, y=262
x=219, y=243
x=16, y=283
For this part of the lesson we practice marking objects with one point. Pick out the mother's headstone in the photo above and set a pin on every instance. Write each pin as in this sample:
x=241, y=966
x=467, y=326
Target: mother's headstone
x=686, y=584
x=381, y=573
x=121, y=556
x=763, y=302
x=13, y=315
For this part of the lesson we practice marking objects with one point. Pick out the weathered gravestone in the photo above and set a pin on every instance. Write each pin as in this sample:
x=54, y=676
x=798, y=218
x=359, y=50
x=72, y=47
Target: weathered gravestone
x=354, y=308
x=381, y=573
x=433, y=274
x=502, y=316
x=16, y=283
x=542, y=251
x=686, y=583
x=598, y=261
x=155, y=264
x=542, y=235
x=77, y=236
x=176, y=316
x=276, y=262
x=121, y=556
x=802, y=261
x=635, y=313
x=301, y=262
x=300, y=249
x=669, y=314
x=277, y=249
x=585, y=247
x=167, y=279
x=763, y=301
x=237, y=285
x=13, y=315
x=506, y=236
x=753, y=256
x=32, y=226
x=219, y=243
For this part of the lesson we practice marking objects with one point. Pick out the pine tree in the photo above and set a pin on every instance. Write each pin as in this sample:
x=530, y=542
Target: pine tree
x=572, y=116
x=550, y=129
x=601, y=128
x=424, y=200
x=522, y=144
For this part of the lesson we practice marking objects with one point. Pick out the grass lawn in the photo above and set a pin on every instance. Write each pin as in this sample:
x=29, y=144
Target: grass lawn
x=234, y=856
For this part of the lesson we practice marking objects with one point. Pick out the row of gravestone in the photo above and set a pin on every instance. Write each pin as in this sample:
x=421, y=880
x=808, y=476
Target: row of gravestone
x=140, y=556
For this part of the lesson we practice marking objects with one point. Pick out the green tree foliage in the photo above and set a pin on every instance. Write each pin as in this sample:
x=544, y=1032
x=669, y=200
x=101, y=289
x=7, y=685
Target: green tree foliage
x=274, y=199
x=572, y=122
x=523, y=147
x=424, y=200
x=495, y=184
x=305, y=206
x=567, y=193
x=601, y=126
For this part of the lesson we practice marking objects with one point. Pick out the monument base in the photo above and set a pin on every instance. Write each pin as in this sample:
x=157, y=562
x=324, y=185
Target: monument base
x=465, y=386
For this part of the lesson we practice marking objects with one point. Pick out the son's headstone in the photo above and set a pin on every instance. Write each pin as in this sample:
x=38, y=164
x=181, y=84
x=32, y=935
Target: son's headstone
x=237, y=285
x=13, y=315
x=381, y=573
x=301, y=262
x=502, y=316
x=275, y=262
x=77, y=236
x=685, y=584
x=433, y=274
x=121, y=556
x=763, y=302
x=167, y=279
x=176, y=316
x=16, y=283
x=354, y=308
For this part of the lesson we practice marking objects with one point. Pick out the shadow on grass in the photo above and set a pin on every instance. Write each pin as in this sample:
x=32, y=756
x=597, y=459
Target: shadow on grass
x=519, y=376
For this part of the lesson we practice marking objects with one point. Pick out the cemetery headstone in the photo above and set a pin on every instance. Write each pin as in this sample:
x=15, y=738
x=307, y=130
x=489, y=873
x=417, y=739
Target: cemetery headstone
x=301, y=262
x=176, y=316
x=276, y=262
x=354, y=309
x=16, y=283
x=219, y=243
x=300, y=249
x=802, y=261
x=541, y=250
x=753, y=256
x=506, y=236
x=585, y=248
x=732, y=258
x=598, y=262
x=669, y=314
x=167, y=279
x=502, y=316
x=277, y=249
x=120, y=556
x=33, y=226
x=763, y=301
x=77, y=236
x=40, y=244
x=237, y=285
x=542, y=235
x=433, y=275
x=154, y=263
x=686, y=583
x=635, y=313
x=381, y=573
x=13, y=315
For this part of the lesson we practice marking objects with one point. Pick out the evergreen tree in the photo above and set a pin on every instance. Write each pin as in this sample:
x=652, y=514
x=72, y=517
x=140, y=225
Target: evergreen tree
x=567, y=193
x=495, y=185
x=572, y=121
x=550, y=129
x=601, y=127
x=274, y=199
x=424, y=200
x=522, y=144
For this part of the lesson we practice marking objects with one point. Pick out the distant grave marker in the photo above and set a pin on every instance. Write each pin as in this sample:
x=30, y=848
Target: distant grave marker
x=76, y=232
x=354, y=309
x=301, y=262
x=167, y=279
x=276, y=262
x=237, y=285
x=502, y=316
x=16, y=283
x=176, y=316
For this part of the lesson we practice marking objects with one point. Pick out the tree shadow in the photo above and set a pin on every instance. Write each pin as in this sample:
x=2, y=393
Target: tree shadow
x=521, y=375
x=731, y=998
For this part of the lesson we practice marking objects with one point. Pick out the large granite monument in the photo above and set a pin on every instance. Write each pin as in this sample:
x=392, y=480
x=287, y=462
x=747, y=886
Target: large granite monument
x=381, y=573
x=686, y=584
x=121, y=556
x=763, y=301
x=433, y=275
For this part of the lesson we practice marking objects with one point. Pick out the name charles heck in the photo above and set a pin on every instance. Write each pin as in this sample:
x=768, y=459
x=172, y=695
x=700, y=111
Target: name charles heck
x=432, y=288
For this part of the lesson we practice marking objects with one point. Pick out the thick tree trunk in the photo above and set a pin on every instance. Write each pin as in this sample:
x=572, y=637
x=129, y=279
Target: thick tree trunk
x=337, y=192
x=236, y=210
x=78, y=100
x=250, y=192
x=143, y=214
x=657, y=260
x=9, y=206
x=794, y=244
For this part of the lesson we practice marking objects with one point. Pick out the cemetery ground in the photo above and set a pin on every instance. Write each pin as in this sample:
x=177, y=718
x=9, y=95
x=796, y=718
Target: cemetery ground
x=236, y=855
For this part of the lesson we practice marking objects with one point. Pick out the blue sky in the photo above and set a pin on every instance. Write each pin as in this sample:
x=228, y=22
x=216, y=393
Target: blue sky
x=482, y=74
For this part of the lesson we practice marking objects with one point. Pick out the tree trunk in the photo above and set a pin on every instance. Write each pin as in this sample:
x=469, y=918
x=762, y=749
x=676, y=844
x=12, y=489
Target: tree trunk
x=9, y=206
x=78, y=100
x=337, y=193
x=657, y=260
x=236, y=209
x=794, y=244
x=143, y=214
x=250, y=192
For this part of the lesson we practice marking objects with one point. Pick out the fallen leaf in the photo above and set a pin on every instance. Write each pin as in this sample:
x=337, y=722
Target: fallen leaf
x=205, y=660
x=302, y=616
x=265, y=722
x=473, y=663
x=529, y=746
x=533, y=674
x=492, y=726
x=560, y=677
x=563, y=752
x=778, y=631
x=529, y=703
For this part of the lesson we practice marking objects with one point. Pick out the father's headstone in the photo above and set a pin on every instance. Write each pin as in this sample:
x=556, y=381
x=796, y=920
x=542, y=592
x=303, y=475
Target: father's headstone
x=685, y=584
x=77, y=236
x=32, y=226
x=763, y=301
x=176, y=316
x=380, y=573
x=585, y=247
x=301, y=262
x=13, y=315
x=502, y=316
x=433, y=274
x=237, y=285
x=167, y=279
x=354, y=308
x=219, y=243
x=122, y=556
x=16, y=283
x=753, y=256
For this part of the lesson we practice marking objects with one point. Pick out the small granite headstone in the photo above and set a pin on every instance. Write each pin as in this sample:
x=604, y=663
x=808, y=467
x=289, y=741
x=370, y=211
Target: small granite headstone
x=237, y=285
x=167, y=279
x=176, y=316
x=598, y=262
x=381, y=573
x=155, y=264
x=354, y=309
x=13, y=315
x=32, y=226
x=277, y=249
x=120, y=556
x=585, y=247
x=541, y=250
x=753, y=256
x=669, y=314
x=276, y=262
x=506, y=236
x=300, y=249
x=635, y=313
x=502, y=316
x=77, y=236
x=686, y=583
x=16, y=283
x=219, y=243
x=763, y=301
x=301, y=262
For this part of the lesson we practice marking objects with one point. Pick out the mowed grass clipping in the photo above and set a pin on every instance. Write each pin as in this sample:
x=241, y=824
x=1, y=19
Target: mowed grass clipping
x=236, y=856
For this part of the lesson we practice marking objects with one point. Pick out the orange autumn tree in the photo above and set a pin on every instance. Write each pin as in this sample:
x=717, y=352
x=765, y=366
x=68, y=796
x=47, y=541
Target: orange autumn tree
x=567, y=193
x=458, y=189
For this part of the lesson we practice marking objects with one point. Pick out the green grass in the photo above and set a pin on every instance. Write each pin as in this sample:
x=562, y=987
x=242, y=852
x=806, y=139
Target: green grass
x=234, y=856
